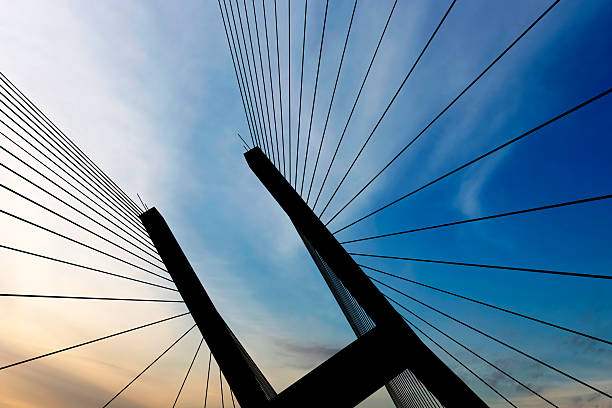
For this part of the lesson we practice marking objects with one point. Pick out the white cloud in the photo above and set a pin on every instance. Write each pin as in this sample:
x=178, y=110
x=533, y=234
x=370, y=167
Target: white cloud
x=468, y=199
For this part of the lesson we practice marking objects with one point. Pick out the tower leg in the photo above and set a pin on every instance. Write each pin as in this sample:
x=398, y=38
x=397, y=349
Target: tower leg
x=246, y=381
x=441, y=381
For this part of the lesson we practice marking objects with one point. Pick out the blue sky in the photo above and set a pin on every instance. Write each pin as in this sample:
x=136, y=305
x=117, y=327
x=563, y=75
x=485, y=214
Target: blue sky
x=148, y=91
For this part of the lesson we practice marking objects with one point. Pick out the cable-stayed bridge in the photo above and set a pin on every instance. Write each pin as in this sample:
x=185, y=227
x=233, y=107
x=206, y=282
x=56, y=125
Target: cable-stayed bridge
x=390, y=349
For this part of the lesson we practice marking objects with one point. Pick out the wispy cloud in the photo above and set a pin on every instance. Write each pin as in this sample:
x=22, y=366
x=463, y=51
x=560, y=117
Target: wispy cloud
x=468, y=199
x=304, y=355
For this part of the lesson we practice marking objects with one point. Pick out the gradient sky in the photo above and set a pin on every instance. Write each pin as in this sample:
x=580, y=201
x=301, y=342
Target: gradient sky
x=147, y=89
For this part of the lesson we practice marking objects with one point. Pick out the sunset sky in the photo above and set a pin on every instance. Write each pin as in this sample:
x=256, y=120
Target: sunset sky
x=147, y=90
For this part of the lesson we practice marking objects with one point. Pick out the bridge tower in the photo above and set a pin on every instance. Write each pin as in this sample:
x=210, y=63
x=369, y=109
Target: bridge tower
x=386, y=352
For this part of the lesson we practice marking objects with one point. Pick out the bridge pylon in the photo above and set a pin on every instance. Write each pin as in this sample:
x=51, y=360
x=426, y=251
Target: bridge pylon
x=385, y=348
